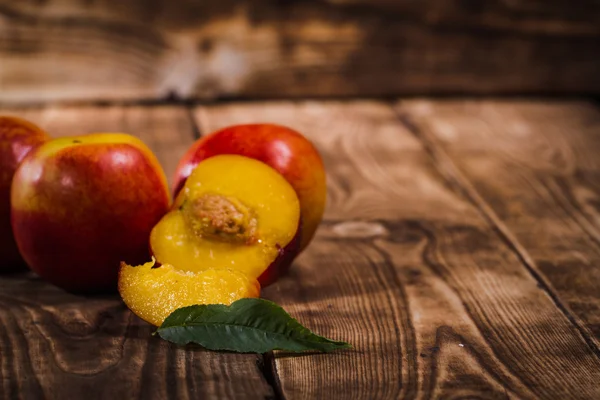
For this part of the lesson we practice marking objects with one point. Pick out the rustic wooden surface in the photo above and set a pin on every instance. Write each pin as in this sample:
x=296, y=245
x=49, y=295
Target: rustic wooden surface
x=458, y=254
x=537, y=168
x=70, y=49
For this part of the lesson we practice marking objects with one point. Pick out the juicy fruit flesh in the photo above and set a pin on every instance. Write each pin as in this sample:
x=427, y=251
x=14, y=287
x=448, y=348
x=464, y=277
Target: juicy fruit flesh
x=261, y=213
x=154, y=293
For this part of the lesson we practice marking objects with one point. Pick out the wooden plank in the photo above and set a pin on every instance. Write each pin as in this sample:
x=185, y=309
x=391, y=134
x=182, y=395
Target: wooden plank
x=67, y=49
x=55, y=345
x=407, y=269
x=551, y=16
x=536, y=167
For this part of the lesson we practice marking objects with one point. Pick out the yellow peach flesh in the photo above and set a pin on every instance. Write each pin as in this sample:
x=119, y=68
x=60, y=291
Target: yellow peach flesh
x=267, y=205
x=154, y=293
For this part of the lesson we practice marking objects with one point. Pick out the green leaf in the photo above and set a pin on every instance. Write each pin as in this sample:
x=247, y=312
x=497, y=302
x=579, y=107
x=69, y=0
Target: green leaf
x=246, y=326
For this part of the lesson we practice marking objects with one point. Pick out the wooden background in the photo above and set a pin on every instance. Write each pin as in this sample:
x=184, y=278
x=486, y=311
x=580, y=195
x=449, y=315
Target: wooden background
x=459, y=254
x=160, y=49
x=460, y=249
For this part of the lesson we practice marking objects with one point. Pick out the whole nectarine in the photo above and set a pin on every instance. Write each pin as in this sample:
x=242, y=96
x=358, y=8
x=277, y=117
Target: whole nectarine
x=17, y=138
x=282, y=148
x=81, y=205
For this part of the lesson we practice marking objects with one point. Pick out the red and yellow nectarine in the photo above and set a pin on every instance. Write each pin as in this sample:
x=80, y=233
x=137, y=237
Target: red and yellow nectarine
x=81, y=205
x=233, y=212
x=282, y=148
x=17, y=138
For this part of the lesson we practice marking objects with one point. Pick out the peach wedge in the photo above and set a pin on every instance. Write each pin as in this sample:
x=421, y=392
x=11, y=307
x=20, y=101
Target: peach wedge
x=152, y=292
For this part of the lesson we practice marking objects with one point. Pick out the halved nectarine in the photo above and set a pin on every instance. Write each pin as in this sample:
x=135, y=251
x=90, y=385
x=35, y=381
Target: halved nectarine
x=152, y=293
x=233, y=213
x=284, y=149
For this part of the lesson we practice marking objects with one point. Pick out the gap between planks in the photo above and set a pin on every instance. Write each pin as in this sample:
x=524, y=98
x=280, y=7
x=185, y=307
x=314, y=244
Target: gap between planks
x=448, y=169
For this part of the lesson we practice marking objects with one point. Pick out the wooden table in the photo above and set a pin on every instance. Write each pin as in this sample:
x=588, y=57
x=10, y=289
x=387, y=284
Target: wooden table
x=460, y=255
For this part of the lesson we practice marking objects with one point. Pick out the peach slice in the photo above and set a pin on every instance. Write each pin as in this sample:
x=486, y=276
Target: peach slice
x=152, y=293
x=233, y=213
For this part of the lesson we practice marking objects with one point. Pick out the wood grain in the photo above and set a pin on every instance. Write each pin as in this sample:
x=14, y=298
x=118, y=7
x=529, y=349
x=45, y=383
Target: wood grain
x=409, y=271
x=408, y=266
x=543, y=158
x=54, y=345
x=74, y=50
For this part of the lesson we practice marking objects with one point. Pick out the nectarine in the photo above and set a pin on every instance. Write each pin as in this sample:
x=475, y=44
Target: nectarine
x=17, y=138
x=235, y=213
x=81, y=205
x=282, y=148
